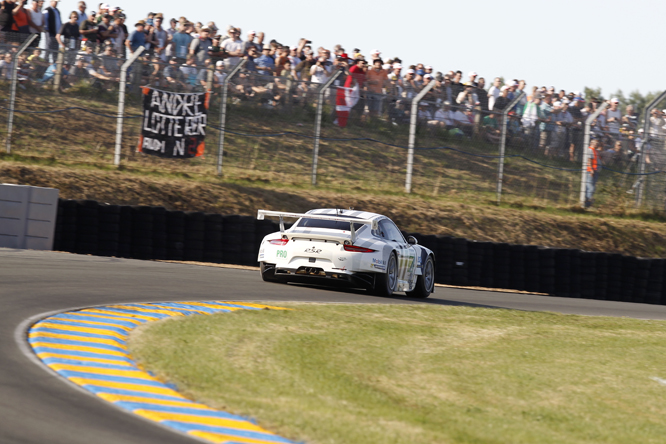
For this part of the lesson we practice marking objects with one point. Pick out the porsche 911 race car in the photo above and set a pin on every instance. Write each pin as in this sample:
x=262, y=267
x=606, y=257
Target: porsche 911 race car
x=353, y=248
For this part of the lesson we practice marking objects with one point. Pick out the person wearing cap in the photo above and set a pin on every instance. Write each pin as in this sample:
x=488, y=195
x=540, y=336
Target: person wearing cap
x=503, y=100
x=36, y=21
x=545, y=127
x=220, y=74
x=53, y=23
x=576, y=132
x=173, y=75
x=137, y=37
x=265, y=62
x=375, y=54
x=303, y=68
x=472, y=78
x=106, y=31
x=181, y=41
x=249, y=42
x=409, y=86
x=377, y=80
x=199, y=46
x=88, y=29
x=121, y=34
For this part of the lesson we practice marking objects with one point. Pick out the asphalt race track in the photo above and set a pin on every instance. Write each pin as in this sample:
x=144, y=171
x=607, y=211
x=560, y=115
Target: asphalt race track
x=36, y=406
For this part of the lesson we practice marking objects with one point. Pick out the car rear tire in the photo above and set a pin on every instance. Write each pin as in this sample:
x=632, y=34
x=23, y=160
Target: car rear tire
x=268, y=272
x=425, y=284
x=386, y=283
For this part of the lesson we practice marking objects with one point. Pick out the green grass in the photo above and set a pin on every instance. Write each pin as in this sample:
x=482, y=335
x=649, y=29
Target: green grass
x=420, y=374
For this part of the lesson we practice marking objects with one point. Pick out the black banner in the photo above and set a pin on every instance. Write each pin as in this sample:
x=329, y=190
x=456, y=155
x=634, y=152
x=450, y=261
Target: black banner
x=174, y=124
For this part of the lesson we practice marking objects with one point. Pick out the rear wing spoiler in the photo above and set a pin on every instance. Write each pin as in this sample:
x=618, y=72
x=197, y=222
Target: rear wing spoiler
x=261, y=214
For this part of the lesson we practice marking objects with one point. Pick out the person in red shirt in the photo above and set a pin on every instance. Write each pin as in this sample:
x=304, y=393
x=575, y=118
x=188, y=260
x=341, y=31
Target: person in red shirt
x=348, y=96
x=593, y=168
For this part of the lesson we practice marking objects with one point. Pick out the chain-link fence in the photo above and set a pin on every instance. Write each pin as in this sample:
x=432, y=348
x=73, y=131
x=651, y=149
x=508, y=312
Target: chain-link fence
x=66, y=110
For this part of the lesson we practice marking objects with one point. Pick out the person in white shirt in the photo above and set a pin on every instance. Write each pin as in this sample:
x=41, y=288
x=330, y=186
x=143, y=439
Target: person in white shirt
x=443, y=116
x=234, y=46
x=614, y=118
x=36, y=21
x=494, y=93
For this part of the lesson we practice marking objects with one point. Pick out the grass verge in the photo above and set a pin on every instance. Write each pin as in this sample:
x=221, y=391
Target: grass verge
x=427, y=374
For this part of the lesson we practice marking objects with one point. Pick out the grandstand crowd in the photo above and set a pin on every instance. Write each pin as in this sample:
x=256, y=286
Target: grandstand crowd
x=192, y=56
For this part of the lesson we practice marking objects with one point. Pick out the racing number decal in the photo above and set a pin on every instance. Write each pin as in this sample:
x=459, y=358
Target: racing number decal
x=281, y=253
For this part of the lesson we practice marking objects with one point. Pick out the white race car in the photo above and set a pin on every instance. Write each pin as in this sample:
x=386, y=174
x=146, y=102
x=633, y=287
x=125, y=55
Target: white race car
x=355, y=248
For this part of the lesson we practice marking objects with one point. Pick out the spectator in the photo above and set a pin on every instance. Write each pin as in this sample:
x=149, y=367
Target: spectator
x=190, y=73
x=199, y=46
x=491, y=130
x=265, y=62
x=409, y=86
x=545, y=127
x=576, y=132
x=121, y=35
x=106, y=31
x=482, y=94
x=161, y=36
x=630, y=118
x=251, y=43
x=21, y=25
x=494, y=93
x=219, y=75
x=472, y=79
x=456, y=84
x=281, y=58
x=614, y=119
x=6, y=67
x=181, y=41
x=532, y=113
x=53, y=23
x=318, y=71
x=82, y=13
x=303, y=68
x=173, y=76
x=7, y=8
x=503, y=100
x=137, y=37
x=88, y=29
x=36, y=20
x=376, y=80
x=234, y=47
x=614, y=156
x=593, y=167
x=443, y=116
x=69, y=37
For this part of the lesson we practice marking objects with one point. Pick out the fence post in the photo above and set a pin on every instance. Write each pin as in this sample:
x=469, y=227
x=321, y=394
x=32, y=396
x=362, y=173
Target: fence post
x=413, y=116
x=320, y=106
x=646, y=136
x=12, y=94
x=60, y=61
x=586, y=151
x=223, y=113
x=121, y=102
x=500, y=167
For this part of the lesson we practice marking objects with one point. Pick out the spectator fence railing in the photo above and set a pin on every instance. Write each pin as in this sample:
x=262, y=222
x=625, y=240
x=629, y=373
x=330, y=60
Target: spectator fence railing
x=587, y=153
x=12, y=94
x=121, y=103
x=283, y=130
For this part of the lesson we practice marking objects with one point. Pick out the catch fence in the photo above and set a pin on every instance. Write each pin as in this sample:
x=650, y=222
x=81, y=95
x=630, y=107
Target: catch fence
x=289, y=132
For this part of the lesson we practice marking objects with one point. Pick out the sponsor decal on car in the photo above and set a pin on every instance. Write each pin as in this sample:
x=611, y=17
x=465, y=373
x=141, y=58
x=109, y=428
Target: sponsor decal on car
x=378, y=261
x=281, y=253
x=342, y=259
x=378, y=266
x=314, y=250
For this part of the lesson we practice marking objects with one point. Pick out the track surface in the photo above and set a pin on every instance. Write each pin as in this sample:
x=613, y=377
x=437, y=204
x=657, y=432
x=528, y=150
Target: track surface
x=36, y=406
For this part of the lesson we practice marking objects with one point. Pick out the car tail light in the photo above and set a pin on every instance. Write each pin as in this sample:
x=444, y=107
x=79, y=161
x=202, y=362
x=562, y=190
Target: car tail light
x=356, y=249
x=278, y=241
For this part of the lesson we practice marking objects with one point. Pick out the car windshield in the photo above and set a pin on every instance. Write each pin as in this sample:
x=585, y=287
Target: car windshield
x=306, y=222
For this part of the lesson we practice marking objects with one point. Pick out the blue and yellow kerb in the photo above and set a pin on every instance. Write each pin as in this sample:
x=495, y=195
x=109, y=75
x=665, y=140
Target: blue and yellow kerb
x=89, y=348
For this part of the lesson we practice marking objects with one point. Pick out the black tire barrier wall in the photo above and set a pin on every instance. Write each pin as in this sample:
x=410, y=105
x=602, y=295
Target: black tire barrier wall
x=148, y=232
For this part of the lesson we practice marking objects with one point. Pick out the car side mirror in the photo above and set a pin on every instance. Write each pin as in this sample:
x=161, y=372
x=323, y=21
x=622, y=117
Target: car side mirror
x=411, y=240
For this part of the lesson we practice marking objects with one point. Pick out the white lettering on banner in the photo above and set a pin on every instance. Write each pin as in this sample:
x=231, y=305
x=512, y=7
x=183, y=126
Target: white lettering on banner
x=195, y=126
x=172, y=103
x=179, y=148
x=153, y=144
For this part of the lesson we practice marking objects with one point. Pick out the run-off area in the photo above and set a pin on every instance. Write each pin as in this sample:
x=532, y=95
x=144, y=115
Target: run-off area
x=337, y=373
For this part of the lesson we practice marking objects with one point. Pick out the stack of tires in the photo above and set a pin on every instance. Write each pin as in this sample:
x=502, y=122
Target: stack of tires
x=502, y=265
x=125, y=228
x=175, y=245
x=562, y=272
x=488, y=268
x=546, y=270
x=517, y=270
x=614, y=288
x=195, y=228
x=531, y=258
x=66, y=226
x=476, y=260
x=87, y=230
x=231, y=239
x=641, y=281
x=213, y=229
x=109, y=230
x=142, y=232
x=460, y=261
x=655, y=281
x=160, y=237
x=444, y=261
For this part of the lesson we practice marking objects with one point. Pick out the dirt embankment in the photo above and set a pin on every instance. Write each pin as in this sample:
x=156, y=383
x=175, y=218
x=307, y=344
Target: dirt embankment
x=478, y=222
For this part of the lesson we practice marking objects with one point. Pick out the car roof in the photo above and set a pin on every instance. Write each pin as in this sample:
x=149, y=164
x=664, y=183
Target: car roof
x=351, y=213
